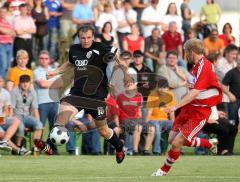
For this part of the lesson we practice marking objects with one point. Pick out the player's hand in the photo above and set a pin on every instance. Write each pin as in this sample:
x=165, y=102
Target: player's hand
x=50, y=74
x=170, y=109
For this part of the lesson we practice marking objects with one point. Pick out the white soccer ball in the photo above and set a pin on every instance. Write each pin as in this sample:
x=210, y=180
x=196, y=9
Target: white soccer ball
x=59, y=135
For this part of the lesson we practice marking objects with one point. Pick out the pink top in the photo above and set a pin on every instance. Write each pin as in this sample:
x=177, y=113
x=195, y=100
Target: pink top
x=133, y=45
x=4, y=38
x=24, y=23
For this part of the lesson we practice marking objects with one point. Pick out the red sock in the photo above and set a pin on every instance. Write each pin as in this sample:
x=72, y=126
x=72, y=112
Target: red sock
x=171, y=158
x=198, y=142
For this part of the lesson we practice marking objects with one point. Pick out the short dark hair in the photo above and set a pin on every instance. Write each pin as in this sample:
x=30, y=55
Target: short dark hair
x=229, y=48
x=24, y=79
x=22, y=5
x=125, y=54
x=162, y=83
x=171, y=53
x=86, y=28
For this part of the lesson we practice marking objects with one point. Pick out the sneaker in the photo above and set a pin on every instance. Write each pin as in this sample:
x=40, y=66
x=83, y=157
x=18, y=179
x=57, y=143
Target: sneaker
x=120, y=155
x=146, y=152
x=213, y=148
x=159, y=172
x=23, y=152
x=43, y=146
x=4, y=146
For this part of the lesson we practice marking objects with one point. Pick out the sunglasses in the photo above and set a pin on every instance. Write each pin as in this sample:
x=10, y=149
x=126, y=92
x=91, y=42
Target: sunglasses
x=24, y=99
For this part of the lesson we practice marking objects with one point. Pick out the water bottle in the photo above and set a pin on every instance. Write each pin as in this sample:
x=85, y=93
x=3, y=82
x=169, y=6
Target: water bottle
x=77, y=150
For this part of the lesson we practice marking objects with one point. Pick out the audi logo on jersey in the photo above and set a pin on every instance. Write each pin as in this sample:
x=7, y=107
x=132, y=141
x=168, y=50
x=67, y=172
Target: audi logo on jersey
x=80, y=63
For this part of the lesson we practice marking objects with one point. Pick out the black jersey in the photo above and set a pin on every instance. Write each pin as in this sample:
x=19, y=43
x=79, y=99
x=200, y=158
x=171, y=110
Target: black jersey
x=90, y=78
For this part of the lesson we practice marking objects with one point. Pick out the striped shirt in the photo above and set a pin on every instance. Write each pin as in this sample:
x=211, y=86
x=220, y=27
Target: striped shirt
x=5, y=38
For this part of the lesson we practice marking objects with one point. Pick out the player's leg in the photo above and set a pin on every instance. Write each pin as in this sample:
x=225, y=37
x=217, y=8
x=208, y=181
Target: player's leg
x=109, y=135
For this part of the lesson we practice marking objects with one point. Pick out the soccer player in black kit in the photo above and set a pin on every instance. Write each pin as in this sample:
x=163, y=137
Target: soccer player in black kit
x=89, y=61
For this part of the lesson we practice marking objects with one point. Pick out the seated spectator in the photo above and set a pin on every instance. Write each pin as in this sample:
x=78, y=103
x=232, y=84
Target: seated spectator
x=175, y=75
x=226, y=35
x=16, y=72
x=129, y=104
x=160, y=98
x=154, y=50
x=121, y=73
x=172, y=40
x=106, y=36
x=24, y=101
x=8, y=124
x=213, y=44
x=46, y=90
x=7, y=33
x=133, y=41
x=225, y=131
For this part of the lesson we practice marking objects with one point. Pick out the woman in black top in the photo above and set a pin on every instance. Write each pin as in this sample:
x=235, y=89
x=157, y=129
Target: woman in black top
x=40, y=15
x=106, y=37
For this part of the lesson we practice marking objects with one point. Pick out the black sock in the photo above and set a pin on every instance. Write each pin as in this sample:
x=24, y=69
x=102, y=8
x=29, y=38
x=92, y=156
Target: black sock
x=53, y=147
x=114, y=140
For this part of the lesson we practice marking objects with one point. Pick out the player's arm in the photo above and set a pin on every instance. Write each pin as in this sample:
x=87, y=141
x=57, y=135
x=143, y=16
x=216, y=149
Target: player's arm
x=192, y=94
x=64, y=67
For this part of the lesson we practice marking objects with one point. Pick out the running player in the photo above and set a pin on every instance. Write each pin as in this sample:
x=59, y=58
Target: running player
x=89, y=61
x=204, y=92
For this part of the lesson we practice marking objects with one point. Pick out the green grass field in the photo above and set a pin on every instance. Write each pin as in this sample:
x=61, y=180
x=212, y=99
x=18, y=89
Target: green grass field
x=104, y=168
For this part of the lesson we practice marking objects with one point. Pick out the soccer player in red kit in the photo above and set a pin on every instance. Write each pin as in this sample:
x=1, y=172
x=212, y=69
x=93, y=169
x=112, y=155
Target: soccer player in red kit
x=204, y=93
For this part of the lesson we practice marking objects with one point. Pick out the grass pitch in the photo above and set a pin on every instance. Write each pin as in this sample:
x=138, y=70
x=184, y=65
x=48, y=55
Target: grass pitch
x=104, y=168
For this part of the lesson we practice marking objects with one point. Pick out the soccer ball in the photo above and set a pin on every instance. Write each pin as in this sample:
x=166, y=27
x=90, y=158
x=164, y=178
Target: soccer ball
x=59, y=135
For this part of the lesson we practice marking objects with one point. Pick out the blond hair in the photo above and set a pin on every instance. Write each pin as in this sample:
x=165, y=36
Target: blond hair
x=22, y=54
x=194, y=45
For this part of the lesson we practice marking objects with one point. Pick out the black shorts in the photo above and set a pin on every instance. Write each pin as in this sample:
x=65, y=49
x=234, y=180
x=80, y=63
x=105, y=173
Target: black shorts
x=95, y=107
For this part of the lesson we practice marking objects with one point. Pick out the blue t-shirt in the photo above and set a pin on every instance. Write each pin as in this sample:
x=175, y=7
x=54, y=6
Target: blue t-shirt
x=53, y=6
x=82, y=12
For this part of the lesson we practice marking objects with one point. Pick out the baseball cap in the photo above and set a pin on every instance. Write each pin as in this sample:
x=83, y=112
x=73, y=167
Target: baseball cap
x=138, y=53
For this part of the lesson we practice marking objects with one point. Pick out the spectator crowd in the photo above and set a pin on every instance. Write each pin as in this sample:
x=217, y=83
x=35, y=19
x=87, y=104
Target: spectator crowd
x=151, y=52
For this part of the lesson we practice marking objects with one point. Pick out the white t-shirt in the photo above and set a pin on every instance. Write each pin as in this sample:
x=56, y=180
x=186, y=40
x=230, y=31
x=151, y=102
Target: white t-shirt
x=5, y=99
x=169, y=18
x=122, y=15
x=105, y=17
x=150, y=14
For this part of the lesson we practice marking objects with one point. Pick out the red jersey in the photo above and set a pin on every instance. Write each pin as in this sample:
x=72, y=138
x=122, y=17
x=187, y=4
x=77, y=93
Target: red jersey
x=129, y=107
x=204, y=78
x=171, y=41
x=112, y=108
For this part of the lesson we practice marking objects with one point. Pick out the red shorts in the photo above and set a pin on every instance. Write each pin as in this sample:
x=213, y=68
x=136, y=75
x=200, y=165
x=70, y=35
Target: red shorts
x=191, y=120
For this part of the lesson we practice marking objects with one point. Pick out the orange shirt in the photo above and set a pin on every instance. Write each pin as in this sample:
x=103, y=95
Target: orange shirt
x=213, y=47
x=153, y=102
x=15, y=73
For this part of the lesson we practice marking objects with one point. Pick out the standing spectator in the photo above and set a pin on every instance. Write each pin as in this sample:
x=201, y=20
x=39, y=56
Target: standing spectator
x=175, y=75
x=133, y=41
x=231, y=86
x=7, y=34
x=211, y=11
x=46, y=91
x=107, y=16
x=55, y=12
x=66, y=25
x=98, y=7
x=25, y=27
x=40, y=15
x=150, y=18
x=213, y=44
x=126, y=16
x=154, y=50
x=172, y=16
x=24, y=102
x=106, y=37
x=227, y=36
x=20, y=69
x=82, y=13
x=186, y=17
x=172, y=40
x=139, y=6
x=156, y=114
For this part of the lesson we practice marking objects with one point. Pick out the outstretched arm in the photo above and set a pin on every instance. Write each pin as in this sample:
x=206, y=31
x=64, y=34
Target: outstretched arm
x=64, y=67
